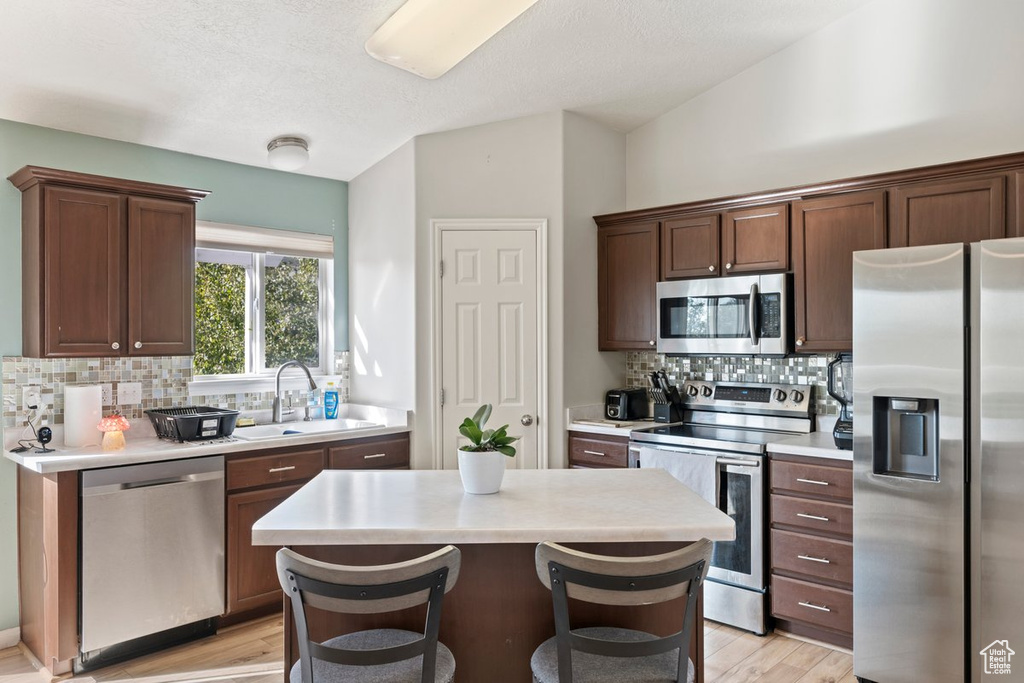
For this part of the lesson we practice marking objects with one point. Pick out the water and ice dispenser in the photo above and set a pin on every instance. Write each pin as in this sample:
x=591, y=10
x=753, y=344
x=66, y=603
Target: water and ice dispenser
x=906, y=437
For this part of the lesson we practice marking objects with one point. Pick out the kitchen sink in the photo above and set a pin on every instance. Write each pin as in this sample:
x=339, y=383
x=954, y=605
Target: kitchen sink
x=287, y=429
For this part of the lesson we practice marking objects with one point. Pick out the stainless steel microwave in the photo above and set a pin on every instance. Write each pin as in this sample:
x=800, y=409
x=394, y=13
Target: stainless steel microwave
x=725, y=316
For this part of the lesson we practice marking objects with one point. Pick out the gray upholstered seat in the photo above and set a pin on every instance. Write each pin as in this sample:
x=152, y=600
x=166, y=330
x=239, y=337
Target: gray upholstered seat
x=373, y=655
x=588, y=668
x=406, y=671
x=605, y=654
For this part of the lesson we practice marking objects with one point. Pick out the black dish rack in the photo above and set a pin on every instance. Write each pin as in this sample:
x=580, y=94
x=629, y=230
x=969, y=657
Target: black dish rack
x=193, y=423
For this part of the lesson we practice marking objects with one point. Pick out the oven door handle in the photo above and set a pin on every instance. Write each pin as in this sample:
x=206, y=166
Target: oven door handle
x=738, y=463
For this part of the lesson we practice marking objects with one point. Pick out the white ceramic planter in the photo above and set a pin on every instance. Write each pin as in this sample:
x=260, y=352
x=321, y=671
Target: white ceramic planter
x=481, y=472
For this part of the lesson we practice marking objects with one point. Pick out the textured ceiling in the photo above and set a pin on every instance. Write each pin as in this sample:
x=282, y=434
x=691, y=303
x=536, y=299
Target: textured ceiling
x=220, y=78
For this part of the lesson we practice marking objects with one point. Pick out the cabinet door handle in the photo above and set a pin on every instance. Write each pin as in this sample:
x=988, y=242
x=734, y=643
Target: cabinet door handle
x=375, y=455
x=138, y=345
x=728, y=266
x=711, y=268
x=651, y=342
x=594, y=453
x=800, y=341
x=813, y=481
x=820, y=560
x=281, y=469
x=820, y=608
x=115, y=346
x=807, y=516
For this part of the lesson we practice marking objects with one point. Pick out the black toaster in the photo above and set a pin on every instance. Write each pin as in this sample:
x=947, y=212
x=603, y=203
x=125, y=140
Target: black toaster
x=626, y=404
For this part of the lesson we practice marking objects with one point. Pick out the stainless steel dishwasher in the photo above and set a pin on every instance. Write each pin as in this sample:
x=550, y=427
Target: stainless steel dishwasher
x=152, y=556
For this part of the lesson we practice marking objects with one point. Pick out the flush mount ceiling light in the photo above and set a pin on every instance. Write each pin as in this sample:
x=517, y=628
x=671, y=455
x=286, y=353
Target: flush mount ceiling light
x=288, y=153
x=429, y=37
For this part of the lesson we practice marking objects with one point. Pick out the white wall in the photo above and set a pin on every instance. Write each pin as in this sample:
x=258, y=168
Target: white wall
x=509, y=169
x=895, y=84
x=382, y=301
x=594, y=183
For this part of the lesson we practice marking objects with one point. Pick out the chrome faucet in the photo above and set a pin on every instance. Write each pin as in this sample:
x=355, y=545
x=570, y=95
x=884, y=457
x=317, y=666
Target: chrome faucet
x=277, y=384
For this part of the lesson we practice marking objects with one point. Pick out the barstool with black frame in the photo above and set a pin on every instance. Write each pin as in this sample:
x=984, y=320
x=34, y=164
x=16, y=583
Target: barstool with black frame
x=376, y=655
x=608, y=654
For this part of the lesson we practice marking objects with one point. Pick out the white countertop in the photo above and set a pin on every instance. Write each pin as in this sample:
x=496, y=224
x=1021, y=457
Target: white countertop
x=815, y=444
x=142, y=444
x=341, y=507
x=583, y=419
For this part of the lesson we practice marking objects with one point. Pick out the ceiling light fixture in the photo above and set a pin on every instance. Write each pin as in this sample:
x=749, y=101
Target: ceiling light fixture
x=429, y=37
x=288, y=153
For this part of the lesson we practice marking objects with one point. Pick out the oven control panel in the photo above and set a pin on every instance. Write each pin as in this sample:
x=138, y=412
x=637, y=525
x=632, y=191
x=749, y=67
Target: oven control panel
x=741, y=397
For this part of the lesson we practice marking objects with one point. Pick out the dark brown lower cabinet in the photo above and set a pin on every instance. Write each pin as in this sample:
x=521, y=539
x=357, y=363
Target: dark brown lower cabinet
x=811, y=552
x=589, y=450
x=252, y=576
x=258, y=482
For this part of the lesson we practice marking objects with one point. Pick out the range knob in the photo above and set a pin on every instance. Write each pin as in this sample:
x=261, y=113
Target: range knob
x=779, y=395
x=705, y=391
x=691, y=390
x=796, y=396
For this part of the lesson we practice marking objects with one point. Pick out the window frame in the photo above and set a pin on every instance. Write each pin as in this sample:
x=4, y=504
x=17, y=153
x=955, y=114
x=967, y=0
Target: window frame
x=257, y=377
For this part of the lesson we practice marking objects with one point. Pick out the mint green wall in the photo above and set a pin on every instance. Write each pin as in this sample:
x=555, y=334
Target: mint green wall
x=240, y=194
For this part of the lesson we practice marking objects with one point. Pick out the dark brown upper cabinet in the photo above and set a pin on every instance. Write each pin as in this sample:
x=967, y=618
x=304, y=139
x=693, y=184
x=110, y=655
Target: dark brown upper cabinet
x=107, y=265
x=689, y=247
x=826, y=232
x=746, y=240
x=756, y=239
x=948, y=211
x=627, y=280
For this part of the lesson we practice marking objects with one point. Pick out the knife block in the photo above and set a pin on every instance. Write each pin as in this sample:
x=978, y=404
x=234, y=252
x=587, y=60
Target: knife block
x=668, y=412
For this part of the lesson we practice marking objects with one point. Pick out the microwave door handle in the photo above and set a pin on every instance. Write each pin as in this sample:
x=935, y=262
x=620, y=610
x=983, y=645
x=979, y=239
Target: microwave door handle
x=752, y=315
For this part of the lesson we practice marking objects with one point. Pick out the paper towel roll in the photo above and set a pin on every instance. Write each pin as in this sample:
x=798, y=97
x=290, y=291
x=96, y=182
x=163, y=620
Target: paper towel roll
x=83, y=408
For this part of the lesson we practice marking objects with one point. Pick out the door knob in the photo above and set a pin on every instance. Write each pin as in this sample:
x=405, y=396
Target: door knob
x=526, y=420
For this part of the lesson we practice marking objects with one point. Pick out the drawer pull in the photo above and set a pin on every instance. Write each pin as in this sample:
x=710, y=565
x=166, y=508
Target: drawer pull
x=811, y=605
x=272, y=470
x=375, y=455
x=813, y=481
x=820, y=560
x=816, y=517
x=594, y=453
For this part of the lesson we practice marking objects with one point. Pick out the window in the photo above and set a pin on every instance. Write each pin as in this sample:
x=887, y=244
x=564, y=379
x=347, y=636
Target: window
x=256, y=309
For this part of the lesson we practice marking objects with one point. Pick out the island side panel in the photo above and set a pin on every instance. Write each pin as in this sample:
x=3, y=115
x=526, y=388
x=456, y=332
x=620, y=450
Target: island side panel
x=498, y=612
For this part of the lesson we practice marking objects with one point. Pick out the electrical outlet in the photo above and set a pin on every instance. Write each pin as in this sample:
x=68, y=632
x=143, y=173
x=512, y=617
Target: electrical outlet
x=107, y=394
x=129, y=393
x=31, y=395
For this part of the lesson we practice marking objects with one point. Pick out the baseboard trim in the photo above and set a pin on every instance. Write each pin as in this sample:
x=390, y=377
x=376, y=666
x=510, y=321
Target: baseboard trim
x=9, y=637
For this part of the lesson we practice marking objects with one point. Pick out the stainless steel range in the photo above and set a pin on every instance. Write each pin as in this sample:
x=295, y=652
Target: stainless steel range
x=718, y=450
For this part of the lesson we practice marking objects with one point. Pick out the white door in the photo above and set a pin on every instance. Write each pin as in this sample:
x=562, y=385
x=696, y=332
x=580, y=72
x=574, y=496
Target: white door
x=489, y=333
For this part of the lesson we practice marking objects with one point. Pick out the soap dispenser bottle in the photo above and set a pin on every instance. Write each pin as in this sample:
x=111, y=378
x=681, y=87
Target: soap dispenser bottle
x=331, y=402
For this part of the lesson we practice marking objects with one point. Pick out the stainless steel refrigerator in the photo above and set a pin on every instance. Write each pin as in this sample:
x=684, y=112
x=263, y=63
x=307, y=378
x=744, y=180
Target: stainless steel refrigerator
x=938, y=522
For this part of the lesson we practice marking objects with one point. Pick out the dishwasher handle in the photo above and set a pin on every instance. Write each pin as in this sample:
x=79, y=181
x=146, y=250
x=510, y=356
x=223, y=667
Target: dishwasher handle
x=184, y=479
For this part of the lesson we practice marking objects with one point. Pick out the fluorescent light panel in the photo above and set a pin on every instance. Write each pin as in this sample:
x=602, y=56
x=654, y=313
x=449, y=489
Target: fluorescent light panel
x=429, y=37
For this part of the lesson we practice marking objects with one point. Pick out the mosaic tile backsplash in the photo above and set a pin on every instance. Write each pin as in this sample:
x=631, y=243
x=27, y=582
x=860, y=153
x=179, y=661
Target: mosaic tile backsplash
x=807, y=370
x=164, y=382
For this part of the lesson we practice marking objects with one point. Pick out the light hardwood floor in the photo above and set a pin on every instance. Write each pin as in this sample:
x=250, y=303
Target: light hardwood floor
x=251, y=653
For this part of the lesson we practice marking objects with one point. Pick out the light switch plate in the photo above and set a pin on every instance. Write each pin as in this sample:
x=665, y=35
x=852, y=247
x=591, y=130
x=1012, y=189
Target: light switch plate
x=107, y=394
x=129, y=393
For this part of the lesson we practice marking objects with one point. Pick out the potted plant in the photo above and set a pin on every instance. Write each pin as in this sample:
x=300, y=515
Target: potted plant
x=482, y=461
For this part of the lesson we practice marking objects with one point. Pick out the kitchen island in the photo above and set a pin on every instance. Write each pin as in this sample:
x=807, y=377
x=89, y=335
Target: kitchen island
x=498, y=612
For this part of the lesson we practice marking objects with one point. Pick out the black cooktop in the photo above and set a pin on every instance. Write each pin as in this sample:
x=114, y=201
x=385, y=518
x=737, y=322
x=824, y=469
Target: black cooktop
x=750, y=441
